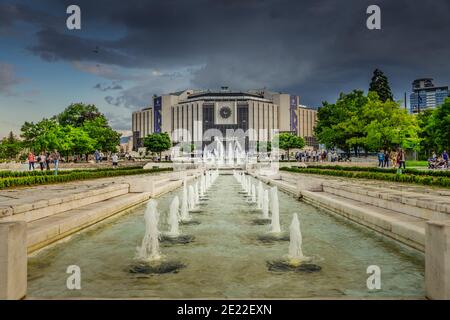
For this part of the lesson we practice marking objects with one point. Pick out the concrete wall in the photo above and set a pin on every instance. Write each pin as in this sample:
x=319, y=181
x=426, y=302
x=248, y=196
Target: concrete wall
x=437, y=260
x=13, y=260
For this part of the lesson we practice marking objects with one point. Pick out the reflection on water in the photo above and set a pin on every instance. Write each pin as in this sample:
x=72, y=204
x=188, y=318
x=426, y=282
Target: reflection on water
x=226, y=259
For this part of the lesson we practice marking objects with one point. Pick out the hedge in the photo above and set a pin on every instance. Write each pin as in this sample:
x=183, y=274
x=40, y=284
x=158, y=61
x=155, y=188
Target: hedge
x=408, y=178
x=16, y=174
x=73, y=176
x=434, y=173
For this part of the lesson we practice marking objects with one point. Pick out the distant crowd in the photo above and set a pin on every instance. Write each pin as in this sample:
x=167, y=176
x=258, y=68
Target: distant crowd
x=319, y=156
x=44, y=160
x=393, y=158
x=440, y=162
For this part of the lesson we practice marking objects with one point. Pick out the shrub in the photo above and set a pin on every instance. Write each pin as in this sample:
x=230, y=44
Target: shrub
x=74, y=175
x=375, y=175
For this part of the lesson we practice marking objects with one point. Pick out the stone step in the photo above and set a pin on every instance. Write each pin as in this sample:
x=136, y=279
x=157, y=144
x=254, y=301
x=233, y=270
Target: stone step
x=49, y=229
x=405, y=228
x=414, y=204
x=35, y=210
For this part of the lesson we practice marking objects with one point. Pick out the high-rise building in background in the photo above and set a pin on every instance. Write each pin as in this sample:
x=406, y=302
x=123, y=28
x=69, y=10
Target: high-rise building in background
x=426, y=95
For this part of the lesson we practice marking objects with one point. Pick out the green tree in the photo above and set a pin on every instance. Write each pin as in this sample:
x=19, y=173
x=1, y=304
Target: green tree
x=340, y=124
x=10, y=147
x=106, y=139
x=287, y=141
x=380, y=85
x=45, y=135
x=389, y=126
x=77, y=114
x=158, y=142
x=438, y=126
x=428, y=144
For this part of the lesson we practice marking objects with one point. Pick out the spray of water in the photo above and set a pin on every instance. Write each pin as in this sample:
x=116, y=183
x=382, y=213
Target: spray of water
x=275, y=226
x=295, y=244
x=174, y=217
x=149, y=249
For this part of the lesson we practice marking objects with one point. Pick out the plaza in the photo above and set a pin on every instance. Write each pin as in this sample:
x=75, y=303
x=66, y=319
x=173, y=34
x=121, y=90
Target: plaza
x=104, y=218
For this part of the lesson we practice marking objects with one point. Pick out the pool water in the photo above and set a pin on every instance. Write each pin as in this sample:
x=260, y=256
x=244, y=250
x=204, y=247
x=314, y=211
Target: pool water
x=226, y=259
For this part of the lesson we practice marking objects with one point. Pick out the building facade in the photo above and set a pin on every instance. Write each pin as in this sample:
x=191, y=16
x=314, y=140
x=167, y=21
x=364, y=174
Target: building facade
x=426, y=95
x=142, y=125
x=200, y=117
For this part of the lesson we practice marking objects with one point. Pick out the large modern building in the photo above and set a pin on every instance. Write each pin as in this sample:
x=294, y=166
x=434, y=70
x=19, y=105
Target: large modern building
x=426, y=95
x=199, y=116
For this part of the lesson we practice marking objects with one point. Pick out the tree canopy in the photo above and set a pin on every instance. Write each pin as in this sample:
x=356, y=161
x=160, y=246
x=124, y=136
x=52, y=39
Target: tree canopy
x=79, y=129
x=436, y=123
x=158, y=142
x=358, y=121
x=380, y=85
x=287, y=141
x=10, y=147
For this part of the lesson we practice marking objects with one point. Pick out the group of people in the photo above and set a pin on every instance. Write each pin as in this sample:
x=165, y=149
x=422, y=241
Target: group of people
x=44, y=159
x=440, y=162
x=394, y=159
x=317, y=156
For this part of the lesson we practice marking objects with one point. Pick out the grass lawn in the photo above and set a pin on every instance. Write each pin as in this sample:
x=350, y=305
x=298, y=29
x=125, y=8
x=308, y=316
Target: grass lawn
x=411, y=163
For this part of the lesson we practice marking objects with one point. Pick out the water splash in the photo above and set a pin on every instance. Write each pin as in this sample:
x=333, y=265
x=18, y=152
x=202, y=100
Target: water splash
x=260, y=197
x=275, y=225
x=191, y=198
x=149, y=249
x=296, y=240
x=265, y=205
x=253, y=193
x=184, y=205
x=174, y=217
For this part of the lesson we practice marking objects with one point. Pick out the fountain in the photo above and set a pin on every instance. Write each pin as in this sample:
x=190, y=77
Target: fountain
x=191, y=198
x=174, y=235
x=196, y=194
x=174, y=217
x=295, y=241
x=149, y=249
x=275, y=233
x=249, y=186
x=149, y=256
x=184, y=205
x=275, y=225
x=253, y=193
x=296, y=261
x=265, y=219
x=260, y=195
x=265, y=205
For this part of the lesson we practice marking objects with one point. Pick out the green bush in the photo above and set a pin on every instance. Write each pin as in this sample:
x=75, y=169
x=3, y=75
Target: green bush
x=434, y=173
x=7, y=174
x=375, y=175
x=74, y=175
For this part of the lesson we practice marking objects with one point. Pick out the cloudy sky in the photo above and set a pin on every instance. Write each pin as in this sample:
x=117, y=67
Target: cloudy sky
x=126, y=51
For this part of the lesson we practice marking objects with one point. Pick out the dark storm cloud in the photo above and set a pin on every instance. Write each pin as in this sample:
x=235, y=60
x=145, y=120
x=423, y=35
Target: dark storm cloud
x=103, y=87
x=312, y=48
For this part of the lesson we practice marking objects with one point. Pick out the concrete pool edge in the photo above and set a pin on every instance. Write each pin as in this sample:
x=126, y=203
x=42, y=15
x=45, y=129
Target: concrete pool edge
x=433, y=239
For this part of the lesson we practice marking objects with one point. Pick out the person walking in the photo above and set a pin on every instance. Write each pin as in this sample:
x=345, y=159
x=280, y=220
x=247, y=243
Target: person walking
x=47, y=160
x=115, y=160
x=55, y=159
x=97, y=156
x=401, y=159
x=42, y=160
x=445, y=158
x=386, y=159
x=31, y=161
x=380, y=159
x=394, y=159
